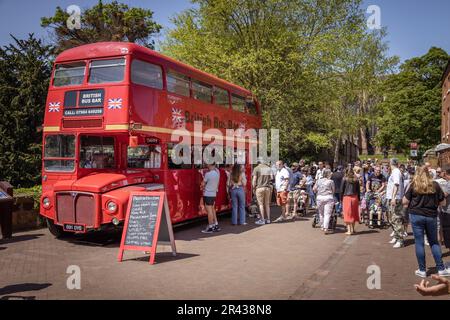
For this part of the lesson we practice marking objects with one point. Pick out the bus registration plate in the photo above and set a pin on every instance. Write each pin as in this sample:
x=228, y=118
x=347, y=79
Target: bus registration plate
x=70, y=227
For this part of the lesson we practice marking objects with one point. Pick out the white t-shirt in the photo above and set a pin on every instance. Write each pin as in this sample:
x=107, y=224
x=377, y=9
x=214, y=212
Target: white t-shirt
x=211, y=183
x=279, y=179
x=319, y=174
x=445, y=186
x=396, y=177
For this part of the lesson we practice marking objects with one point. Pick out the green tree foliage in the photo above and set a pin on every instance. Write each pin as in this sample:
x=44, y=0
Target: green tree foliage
x=24, y=77
x=301, y=58
x=411, y=109
x=103, y=22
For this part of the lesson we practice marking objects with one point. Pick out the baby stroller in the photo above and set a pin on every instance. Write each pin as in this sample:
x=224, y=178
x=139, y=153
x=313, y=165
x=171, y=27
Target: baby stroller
x=333, y=220
x=253, y=209
x=302, y=202
x=375, y=211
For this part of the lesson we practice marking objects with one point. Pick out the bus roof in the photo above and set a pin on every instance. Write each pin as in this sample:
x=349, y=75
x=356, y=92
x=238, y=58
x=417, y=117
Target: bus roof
x=109, y=49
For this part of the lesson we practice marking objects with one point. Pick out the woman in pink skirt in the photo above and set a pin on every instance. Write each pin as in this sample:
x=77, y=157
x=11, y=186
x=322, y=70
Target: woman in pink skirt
x=350, y=195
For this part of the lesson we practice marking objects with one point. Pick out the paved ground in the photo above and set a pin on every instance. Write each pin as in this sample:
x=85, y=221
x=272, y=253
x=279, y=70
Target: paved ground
x=278, y=261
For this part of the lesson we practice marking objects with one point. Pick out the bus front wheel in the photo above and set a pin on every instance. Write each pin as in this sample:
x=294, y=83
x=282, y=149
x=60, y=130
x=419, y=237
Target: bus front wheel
x=55, y=230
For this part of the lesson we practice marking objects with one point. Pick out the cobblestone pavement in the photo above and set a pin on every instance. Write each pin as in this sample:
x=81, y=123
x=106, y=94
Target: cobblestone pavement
x=288, y=260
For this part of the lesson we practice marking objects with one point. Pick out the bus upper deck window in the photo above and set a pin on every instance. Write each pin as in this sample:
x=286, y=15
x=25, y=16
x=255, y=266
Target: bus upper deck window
x=69, y=74
x=221, y=97
x=238, y=103
x=201, y=91
x=146, y=74
x=178, y=83
x=251, y=106
x=106, y=71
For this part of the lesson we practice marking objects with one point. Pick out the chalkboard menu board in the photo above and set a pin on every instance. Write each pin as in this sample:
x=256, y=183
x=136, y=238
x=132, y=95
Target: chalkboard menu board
x=147, y=223
x=142, y=220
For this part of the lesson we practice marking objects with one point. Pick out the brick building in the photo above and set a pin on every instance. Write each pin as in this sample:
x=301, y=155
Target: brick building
x=443, y=150
x=445, y=122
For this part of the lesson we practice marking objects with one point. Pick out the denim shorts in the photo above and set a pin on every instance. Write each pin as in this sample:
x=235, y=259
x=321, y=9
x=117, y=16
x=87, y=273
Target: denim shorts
x=209, y=201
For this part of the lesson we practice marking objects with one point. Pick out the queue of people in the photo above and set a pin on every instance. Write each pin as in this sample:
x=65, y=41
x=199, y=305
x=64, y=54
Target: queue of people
x=395, y=195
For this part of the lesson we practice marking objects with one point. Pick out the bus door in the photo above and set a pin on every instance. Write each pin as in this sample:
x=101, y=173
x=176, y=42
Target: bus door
x=181, y=187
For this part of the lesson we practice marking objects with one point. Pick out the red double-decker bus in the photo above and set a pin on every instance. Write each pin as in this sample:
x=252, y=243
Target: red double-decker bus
x=111, y=110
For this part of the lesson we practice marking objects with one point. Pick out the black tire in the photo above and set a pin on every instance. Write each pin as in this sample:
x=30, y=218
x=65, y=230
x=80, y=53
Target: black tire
x=314, y=222
x=55, y=230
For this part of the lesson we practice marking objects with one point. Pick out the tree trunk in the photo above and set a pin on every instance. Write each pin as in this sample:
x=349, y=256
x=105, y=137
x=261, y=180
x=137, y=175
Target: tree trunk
x=362, y=132
x=336, y=152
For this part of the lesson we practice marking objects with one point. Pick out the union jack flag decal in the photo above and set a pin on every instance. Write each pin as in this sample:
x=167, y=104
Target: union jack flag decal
x=115, y=104
x=54, y=106
x=177, y=117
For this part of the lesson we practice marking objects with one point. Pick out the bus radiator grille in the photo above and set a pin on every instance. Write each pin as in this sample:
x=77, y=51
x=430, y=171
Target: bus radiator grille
x=74, y=207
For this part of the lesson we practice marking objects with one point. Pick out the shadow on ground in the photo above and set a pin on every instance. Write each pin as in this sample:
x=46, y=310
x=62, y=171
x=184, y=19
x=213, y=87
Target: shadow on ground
x=18, y=298
x=163, y=257
x=20, y=238
x=6, y=292
x=109, y=238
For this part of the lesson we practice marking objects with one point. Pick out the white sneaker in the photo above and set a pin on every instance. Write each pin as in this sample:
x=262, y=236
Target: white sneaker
x=405, y=234
x=421, y=274
x=427, y=243
x=393, y=241
x=397, y=245
x=280, y=219
x=392, y=234
x=260, y=222
x=444, y=273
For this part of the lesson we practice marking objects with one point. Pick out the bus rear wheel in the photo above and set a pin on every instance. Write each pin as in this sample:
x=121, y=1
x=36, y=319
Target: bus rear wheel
x=55, y=230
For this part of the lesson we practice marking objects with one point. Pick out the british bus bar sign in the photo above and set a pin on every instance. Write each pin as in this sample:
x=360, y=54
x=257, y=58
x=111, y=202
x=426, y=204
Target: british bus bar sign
x=84, y=103
x=91, y=98
x=147, y=224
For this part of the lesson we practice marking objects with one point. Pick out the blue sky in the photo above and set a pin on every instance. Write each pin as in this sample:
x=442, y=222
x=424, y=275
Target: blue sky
x=413, y=25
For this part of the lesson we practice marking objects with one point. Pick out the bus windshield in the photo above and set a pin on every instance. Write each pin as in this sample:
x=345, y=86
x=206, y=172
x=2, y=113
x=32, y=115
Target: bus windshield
x=59, y=153
x=97, y=152
x=69, y=74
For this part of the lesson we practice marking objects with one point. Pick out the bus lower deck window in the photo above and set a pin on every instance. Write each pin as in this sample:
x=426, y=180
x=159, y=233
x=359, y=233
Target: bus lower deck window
x=148, y=157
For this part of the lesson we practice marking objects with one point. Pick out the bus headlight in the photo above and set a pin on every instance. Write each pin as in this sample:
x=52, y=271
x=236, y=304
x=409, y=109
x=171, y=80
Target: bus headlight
x=112, y=207
x=46, y=203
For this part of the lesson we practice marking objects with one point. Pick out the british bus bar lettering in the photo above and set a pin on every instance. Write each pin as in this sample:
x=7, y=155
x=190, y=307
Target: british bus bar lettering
x=91, y=98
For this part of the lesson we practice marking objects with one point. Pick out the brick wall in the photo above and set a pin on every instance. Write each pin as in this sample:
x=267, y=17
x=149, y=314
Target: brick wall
x=25, y=217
